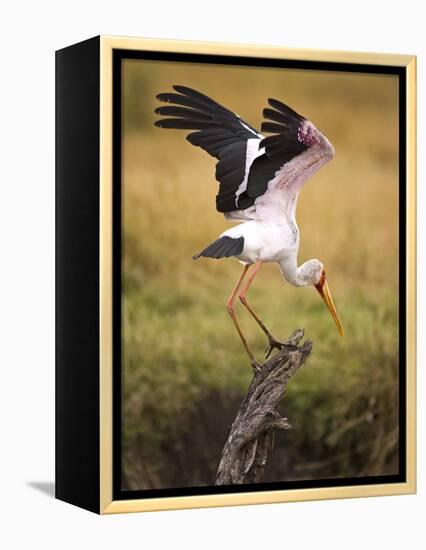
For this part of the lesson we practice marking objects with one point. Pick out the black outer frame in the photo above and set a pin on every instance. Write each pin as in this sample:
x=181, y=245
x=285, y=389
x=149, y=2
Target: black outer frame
x=77, y=273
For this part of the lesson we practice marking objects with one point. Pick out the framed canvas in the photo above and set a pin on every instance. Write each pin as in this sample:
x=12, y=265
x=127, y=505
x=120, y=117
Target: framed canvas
x=164, y=398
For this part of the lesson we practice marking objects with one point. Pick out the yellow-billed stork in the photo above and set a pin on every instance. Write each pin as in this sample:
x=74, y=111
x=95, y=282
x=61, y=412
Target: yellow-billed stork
x=259, y=182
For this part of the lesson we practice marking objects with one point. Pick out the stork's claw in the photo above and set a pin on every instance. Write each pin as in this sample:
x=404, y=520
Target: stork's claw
x=255, y=365
x=274, y=344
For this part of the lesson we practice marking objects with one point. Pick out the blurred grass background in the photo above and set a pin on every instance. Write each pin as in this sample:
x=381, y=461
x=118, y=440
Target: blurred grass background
x=184, y=368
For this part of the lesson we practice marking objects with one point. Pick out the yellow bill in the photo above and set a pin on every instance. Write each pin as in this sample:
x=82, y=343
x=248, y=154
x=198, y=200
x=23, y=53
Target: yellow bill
x=325, y=294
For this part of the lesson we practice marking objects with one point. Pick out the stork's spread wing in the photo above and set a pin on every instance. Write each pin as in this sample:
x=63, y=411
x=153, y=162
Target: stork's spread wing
x=219, y=132
x=247, y=161
x=278, y=149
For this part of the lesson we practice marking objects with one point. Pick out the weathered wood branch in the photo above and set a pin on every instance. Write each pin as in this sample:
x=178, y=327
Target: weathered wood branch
x=250, y=440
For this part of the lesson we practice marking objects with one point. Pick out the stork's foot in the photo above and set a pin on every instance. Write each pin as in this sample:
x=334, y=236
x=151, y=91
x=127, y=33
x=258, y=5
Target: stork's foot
x=256, y=365
x=275, y=344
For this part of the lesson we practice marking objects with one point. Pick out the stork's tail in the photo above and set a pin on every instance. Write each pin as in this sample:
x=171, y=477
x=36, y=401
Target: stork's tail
x=224, y=247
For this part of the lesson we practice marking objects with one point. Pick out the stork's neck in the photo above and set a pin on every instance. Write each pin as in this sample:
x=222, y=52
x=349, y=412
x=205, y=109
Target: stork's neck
x=298, y=276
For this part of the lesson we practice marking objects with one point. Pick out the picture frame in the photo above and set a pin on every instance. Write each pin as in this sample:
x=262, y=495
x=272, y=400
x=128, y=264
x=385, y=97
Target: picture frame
x=89, y=380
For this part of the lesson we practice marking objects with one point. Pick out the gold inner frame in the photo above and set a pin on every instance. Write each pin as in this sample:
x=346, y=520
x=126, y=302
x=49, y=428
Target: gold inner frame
x=107, y=504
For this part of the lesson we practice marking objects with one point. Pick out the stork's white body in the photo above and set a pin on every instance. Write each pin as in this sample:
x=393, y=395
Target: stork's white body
x=266, y=241
x=272, y=234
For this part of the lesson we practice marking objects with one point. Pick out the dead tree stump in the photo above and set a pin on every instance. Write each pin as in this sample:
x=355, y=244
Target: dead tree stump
x=245, y=453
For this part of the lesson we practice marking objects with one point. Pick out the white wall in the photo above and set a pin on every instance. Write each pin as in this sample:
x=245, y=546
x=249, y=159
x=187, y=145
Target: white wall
x=30, y=32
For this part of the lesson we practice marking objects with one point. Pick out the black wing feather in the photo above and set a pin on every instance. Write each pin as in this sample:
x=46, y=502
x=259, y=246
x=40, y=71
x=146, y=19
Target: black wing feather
x=219, y=132
x=201, y=98
x=182, y=112
x=276, y=116
x=273, y=127
x=280, y=148
x=224, y=136
x=184, y=124
x=285, y=109
x=230, y=171
x=178, y=99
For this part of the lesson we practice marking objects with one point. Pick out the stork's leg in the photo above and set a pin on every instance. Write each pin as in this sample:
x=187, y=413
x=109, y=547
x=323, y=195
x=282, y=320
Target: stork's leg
x=272, y=342
x=230, y=308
